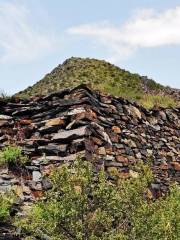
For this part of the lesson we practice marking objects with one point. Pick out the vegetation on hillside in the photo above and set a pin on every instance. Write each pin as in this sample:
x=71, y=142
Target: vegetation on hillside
x=86, y=206
x=99, y=75
x=12, y=155
x=6, y=201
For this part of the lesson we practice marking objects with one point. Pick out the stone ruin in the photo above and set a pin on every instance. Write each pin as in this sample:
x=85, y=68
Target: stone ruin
x=109, y=131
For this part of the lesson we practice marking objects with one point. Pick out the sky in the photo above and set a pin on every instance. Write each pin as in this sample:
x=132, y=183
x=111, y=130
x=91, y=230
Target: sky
x=142, y=36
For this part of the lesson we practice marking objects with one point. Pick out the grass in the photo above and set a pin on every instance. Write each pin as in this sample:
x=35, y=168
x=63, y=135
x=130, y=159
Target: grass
x=12, y=155
x=150, y=101
x=6, y=200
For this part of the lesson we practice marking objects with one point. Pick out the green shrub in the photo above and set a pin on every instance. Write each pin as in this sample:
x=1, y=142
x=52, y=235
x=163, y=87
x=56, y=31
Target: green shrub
x=12, y=155
x=83, y=205
x=6, y=201
x=159, y=220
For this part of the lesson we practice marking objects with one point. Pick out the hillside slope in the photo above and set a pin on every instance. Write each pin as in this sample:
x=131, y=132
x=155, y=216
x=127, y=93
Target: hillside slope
x=103, y=76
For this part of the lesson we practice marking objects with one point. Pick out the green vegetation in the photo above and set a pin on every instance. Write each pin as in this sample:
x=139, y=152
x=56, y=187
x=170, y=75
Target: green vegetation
x=150, y=101
x=102, y=76
x=12, y=155
x=159, y=220
x=86, y=206
x=6, y=201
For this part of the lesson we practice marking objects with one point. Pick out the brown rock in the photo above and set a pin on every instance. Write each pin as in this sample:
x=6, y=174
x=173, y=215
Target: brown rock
x=101, y=151
x=122, y=159
x=116, y=129
x=114, y=137
x=89, y=114
x=55, y=122
x=37, y=194
x=109, y=150
x=164, y=166
x=176, y=165
x=97, y=141
x=25, y=122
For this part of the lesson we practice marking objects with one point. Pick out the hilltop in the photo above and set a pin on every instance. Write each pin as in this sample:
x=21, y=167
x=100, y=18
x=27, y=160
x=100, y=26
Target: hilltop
x=106, y=77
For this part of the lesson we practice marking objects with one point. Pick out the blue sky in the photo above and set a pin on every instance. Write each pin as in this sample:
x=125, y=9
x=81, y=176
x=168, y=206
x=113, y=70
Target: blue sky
x=142, y=36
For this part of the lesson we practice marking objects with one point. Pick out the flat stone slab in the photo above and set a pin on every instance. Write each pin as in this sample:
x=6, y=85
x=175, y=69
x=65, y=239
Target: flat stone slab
x=70, y=157
x=5, y=117
x=70, y=134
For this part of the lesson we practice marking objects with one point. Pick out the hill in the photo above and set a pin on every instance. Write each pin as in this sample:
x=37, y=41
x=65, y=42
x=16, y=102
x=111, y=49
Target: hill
x=103, y=76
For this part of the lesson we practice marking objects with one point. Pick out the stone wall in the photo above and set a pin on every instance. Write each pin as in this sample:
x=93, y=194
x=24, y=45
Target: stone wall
x=110, y=131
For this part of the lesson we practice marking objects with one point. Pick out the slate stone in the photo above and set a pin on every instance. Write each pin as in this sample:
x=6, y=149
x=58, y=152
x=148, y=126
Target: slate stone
x=71, y=134
x=5, y=117
x=46, y=184
x=49, y=129
x=54, y=149
x=71, y=157
x=36, y=176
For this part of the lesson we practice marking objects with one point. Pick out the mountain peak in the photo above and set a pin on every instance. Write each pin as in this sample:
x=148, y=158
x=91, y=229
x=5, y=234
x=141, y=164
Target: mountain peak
x=98, y=74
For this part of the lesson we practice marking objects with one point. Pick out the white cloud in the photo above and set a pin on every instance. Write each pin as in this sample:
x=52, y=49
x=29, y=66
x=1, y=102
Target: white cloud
x=146, y=29
x=20, y=39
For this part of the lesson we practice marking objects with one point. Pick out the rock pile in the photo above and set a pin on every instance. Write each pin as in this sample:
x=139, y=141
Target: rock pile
x=112, y=132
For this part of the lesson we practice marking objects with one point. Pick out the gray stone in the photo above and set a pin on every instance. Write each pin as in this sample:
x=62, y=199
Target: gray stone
x=32, y=168
x=5, y=117
x=36, y=175
x=70, y=134
x=71, y=157
x=46, y=184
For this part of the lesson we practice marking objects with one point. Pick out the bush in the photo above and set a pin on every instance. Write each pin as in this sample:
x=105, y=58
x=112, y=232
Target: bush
x=83, y=205
x=12, y=155
x=6, y=201
x=159, y=220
